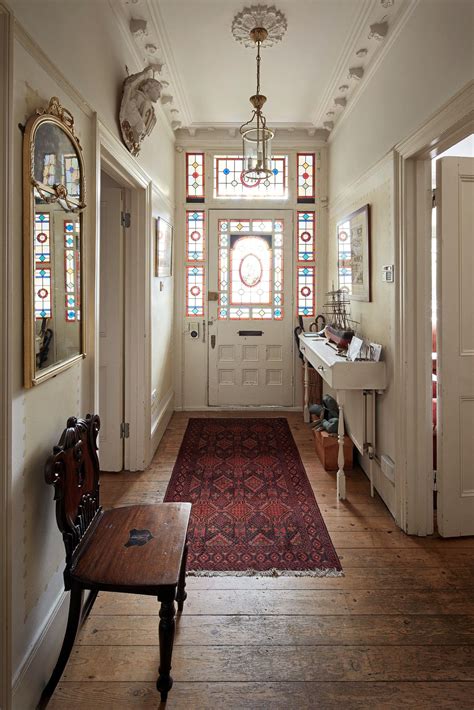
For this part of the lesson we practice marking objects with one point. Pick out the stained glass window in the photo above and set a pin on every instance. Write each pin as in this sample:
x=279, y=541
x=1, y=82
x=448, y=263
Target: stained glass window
x=306, y=163
x=250, y=269
x=49, y=169
x=72, y=175
x=305, y=222
x=195, y=236
x=228, y=179
x=305, y=295
x=42, y=277
x=344, y=257
x=195, y=290
x=71, y=270
x=195, y=177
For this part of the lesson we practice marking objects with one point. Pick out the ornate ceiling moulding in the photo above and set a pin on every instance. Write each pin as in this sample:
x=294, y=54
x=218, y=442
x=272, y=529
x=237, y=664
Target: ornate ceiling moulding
x=359, y=57
x=266, y=16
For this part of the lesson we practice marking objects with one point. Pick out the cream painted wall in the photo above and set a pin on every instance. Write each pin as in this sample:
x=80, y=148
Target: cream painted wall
x=39, y=414
x=430, y=61
x=377, y=318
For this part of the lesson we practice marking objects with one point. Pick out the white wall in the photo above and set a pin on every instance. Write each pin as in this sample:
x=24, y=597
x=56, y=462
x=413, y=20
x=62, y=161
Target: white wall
x=431, y=59
x=92, y=59
x=428, y=63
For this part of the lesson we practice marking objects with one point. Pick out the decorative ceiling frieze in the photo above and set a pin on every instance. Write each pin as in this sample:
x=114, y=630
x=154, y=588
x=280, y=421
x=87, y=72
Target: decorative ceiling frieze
x=145, y=37
x=379, y=22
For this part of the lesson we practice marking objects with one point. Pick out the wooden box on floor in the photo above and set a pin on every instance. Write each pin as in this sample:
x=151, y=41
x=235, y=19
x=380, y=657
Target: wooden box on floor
x=327, y=449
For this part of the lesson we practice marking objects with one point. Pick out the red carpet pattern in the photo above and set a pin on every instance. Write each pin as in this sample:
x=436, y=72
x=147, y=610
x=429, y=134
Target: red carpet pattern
x=253, y=510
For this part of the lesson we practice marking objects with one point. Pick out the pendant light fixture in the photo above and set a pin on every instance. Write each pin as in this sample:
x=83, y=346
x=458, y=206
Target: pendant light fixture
x=256, y=137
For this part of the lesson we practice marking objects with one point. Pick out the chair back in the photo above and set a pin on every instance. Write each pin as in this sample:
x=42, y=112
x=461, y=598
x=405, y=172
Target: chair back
x=73, y=469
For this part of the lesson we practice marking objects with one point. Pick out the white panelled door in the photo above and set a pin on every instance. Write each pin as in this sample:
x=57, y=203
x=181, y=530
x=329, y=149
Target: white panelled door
x=250, y=308
x=111, y=330
x=455, y=225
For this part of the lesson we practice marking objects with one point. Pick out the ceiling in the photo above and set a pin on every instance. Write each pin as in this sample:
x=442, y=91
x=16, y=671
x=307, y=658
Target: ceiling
x=217, y=73
x=312, y=78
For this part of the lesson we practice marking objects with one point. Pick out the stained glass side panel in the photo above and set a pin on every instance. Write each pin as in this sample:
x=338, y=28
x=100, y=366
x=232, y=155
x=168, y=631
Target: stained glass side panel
x=306, y=177
x=228, y=180
x=72, y=175
x=195, y=177
x=49, y=169
x=71, y=270
x=344, y=257
x=195, y=235
x=195, y=291
x=305, y=225
x=42, y=275
x=305, y=290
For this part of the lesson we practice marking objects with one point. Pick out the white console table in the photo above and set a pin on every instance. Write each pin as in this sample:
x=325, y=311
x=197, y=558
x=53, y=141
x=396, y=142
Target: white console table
x=342, y=375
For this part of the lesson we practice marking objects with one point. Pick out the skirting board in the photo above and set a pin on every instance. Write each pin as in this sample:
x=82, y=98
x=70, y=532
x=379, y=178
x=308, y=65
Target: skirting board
x=165, y=413
x=382, y=484
x=41, y=659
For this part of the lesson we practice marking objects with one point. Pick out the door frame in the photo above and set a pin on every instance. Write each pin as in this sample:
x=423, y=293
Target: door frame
x=414, y=491
x=232, y=210
x=113, y=159
x=6, y=237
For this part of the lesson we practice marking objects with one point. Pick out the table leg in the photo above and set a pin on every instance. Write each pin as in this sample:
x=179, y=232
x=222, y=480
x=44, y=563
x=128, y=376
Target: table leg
x=166, y=635
x=306, y=393
x=341, y=476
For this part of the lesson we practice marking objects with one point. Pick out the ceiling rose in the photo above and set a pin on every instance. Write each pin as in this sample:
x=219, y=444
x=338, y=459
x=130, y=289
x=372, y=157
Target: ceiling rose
x=266, y=16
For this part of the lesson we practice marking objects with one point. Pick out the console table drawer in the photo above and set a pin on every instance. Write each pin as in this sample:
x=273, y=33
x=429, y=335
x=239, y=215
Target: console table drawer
x=318, y=363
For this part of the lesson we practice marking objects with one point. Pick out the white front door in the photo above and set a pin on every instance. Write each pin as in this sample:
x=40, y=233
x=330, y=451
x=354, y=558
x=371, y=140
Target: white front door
x=250, y=308
x=111, y=330
x=455, y=225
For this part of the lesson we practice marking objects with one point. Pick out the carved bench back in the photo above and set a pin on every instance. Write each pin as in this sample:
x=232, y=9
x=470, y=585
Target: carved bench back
x=73, y=469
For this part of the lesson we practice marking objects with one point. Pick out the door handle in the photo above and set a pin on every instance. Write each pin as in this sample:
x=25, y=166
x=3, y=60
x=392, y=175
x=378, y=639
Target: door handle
x=249, y=332
x=213, y=341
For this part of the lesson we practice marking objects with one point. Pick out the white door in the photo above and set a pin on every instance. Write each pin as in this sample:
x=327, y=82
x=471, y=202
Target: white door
x=111, y=330
x=250, y=308
x=455, y=225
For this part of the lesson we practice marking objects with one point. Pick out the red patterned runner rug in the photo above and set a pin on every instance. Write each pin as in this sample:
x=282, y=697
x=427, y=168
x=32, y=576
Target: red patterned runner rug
x=253, y=509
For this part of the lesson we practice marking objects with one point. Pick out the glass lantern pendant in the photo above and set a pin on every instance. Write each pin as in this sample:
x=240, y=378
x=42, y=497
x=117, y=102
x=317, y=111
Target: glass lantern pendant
x=256, y=137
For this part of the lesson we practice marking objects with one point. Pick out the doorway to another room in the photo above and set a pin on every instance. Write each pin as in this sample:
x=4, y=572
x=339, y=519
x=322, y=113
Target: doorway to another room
x=112, y=325
x=452, y=265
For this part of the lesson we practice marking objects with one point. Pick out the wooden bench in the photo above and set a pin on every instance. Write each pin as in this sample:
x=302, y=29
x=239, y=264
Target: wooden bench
x=136, y=549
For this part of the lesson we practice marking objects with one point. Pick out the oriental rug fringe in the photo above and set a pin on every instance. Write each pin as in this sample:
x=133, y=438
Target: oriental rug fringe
x=253, y=509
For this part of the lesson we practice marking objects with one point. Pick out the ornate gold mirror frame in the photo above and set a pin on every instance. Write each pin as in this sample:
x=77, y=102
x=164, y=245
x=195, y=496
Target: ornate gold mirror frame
x=60, y=202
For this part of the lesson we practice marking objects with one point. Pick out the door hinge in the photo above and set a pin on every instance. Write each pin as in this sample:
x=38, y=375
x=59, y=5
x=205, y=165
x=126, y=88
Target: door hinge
x=126, y=219
x=434, y=200
x=435, y=483
x=124, y=430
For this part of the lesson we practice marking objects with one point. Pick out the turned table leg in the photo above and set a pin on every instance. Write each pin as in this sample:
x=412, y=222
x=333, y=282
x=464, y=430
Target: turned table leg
x=181, y=595
x=341, y=476
x=166, y=634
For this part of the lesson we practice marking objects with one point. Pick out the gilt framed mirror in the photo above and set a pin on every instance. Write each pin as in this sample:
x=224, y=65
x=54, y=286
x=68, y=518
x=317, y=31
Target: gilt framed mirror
x=53, y=237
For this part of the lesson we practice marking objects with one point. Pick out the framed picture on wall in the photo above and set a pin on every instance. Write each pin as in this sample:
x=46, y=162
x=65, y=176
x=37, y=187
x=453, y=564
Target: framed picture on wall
x=163, y=248
x=353, y=254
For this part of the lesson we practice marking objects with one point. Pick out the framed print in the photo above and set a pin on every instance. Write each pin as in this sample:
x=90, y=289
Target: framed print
x=163, y=248
x=353, y=254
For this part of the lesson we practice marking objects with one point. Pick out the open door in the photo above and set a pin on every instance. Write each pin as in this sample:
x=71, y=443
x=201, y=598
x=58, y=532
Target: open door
x=111, y=327
x=455, y=235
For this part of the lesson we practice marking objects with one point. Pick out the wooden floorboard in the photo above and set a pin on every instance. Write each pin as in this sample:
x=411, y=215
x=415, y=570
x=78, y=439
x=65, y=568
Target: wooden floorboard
x=396, y=631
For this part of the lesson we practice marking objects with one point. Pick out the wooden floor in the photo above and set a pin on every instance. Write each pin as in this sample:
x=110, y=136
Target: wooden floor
x=396, y=631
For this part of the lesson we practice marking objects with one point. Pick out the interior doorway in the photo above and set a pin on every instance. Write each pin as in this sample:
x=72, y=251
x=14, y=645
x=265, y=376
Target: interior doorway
x=112, y=325
x=453, y=337
x=250, y=308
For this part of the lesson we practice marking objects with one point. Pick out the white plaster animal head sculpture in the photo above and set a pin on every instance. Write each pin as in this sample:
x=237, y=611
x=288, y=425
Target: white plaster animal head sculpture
x=137, y=115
